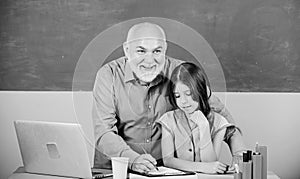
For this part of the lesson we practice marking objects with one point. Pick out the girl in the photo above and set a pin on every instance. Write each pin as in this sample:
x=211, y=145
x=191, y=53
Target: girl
x=191, y=134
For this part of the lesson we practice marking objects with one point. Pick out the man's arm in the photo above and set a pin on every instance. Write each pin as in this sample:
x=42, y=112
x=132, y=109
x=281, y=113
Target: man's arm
x=218, y=107
x=108, y=142
x=233, y=135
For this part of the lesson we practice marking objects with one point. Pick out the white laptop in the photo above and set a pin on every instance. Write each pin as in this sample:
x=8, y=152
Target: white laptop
x=53, y=148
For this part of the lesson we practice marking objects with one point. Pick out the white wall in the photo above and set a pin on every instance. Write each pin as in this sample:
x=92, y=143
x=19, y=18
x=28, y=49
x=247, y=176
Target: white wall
x=271, y=119
x=44, y=106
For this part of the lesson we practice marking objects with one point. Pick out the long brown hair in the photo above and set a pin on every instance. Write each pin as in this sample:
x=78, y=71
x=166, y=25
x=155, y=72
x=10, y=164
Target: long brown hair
x=194, y=77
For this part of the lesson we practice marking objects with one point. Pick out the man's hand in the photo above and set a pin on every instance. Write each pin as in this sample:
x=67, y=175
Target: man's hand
x=144, y=163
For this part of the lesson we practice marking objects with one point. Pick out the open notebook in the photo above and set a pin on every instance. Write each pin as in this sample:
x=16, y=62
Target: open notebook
x=165, y=171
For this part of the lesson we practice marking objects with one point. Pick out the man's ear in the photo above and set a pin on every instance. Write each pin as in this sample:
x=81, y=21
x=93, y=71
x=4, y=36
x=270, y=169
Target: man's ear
x=125, y=49
x=166, y=46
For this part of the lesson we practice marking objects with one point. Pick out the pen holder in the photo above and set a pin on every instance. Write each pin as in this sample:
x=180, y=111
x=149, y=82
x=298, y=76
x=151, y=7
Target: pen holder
x=263, y=150
x=247, y=165
x=257, y=165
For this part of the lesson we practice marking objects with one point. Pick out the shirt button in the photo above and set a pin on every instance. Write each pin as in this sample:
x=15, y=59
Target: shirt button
x=149, y=106
x=190, y=150
x=147, y=140
x=148, y=123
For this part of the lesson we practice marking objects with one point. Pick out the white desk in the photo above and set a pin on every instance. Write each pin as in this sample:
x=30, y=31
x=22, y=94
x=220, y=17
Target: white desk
x=19, y=174
x=271, y=175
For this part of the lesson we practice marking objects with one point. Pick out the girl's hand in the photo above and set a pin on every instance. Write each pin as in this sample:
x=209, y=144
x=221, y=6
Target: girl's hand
x=214, y=167
x=232, y=169
x=199, y=116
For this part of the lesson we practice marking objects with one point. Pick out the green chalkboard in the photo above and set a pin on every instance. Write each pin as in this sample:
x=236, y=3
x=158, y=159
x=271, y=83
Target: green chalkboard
x=257, y=42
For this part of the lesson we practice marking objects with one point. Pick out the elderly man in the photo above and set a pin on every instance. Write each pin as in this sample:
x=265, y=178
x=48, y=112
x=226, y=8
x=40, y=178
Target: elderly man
x=130, y=95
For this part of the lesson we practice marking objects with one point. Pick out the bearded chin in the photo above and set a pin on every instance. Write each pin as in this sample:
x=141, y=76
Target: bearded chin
x=148, y=77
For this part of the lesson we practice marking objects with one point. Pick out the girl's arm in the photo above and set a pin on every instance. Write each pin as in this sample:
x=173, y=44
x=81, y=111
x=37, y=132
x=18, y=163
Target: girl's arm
x=217, y=142
x=208, y=153
x=170, y=161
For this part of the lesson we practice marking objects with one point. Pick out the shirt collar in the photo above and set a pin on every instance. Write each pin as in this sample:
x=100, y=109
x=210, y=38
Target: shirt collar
x=128, y=72
x=181, y=115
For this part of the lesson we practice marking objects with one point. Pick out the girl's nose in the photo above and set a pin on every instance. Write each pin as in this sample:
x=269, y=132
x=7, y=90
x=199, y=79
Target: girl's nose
x=183, y=100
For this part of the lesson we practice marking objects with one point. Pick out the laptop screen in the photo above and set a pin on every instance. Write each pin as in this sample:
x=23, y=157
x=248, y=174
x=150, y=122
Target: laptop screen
x=53, y=148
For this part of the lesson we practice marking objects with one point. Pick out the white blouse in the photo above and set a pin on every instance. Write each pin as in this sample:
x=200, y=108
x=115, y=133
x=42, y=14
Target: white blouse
x=189, y=142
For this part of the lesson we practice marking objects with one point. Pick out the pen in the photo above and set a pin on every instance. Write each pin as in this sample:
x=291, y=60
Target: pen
x=98, y=176
x=145, y=152
x=256, y=147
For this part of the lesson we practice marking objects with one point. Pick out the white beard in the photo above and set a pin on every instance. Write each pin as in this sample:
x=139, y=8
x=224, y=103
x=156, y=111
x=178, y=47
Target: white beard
x=148, y=77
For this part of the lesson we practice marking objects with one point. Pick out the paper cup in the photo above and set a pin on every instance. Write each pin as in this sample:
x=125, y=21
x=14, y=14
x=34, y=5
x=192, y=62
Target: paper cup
x=119, y=167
